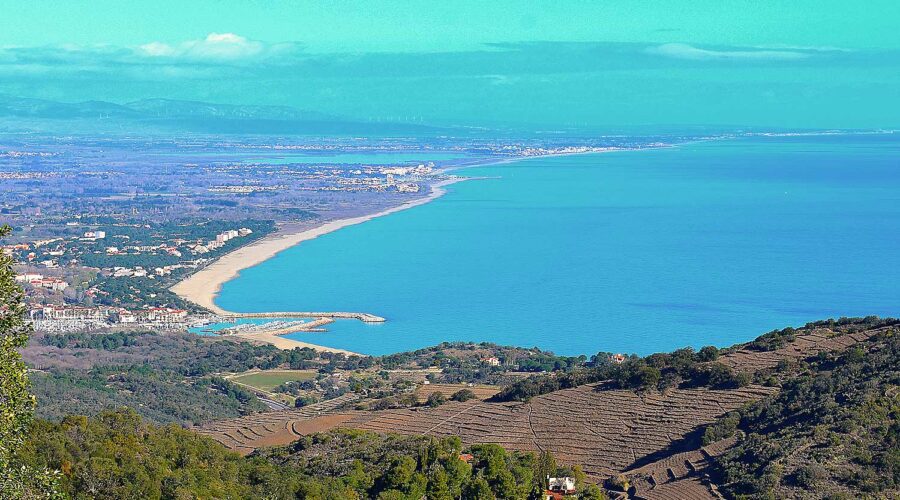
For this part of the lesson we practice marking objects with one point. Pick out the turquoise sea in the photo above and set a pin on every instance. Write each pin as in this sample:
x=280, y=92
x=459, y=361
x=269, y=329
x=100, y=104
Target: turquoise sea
x=639, y=251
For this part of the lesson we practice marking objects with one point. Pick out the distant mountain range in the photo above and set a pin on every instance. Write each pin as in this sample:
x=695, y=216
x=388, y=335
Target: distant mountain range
x=191, y=116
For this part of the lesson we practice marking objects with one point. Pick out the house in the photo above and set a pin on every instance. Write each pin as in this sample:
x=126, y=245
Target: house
x=69, y=313
x=466, y=457
x=492, y=361
x=28, y=277
x=95, y=235
x=559, y=487
x=126, y=316
x=617, y=358
x=162, y=315
x=54, y=284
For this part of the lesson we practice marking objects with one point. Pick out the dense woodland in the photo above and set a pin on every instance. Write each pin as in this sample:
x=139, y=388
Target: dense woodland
x=118, y=455
x=164, y=377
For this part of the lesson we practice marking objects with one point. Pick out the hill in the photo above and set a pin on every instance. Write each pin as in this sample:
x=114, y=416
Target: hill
x=639, y=439
x=815, y=417
x=167, y=115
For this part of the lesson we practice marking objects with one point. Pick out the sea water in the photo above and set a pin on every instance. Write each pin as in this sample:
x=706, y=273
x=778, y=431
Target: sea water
x=635, y=251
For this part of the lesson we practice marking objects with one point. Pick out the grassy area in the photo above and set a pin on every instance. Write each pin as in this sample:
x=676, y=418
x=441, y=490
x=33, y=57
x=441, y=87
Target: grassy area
x=270, y=379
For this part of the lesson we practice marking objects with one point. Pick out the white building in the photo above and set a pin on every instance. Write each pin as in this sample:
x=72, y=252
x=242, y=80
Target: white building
x=560, y=486
x=28, y=277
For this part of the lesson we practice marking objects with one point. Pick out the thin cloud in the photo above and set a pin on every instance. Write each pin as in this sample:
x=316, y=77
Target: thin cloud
x=806, y=48
x=685, y=51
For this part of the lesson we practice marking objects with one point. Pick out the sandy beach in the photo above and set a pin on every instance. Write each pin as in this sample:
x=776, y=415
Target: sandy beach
x=280, y=342
x=203, y=286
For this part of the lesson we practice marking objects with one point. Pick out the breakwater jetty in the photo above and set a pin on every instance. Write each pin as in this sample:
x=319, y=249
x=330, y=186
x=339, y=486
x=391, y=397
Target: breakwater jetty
x=364, y=317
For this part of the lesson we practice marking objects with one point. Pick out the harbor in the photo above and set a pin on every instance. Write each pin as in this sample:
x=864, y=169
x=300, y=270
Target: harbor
x=273, y=332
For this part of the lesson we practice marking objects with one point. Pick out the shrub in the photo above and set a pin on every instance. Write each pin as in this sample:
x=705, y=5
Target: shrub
x=435, y=399
x=462, y=395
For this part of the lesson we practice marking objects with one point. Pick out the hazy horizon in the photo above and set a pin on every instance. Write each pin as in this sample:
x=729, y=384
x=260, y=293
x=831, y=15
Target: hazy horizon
x=576, y=66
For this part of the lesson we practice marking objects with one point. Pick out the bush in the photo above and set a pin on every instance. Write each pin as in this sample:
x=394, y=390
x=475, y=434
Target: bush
x=304, y=401
x=721, y=429
x=436, y=399
x=463, y=395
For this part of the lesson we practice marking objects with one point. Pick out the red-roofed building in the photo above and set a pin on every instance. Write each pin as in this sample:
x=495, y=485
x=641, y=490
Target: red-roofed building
x=559, y=487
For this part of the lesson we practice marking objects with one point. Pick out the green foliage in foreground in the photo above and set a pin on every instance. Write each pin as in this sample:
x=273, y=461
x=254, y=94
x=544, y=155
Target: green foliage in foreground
x=118, y=455
x=832, y=432
x=17, y=479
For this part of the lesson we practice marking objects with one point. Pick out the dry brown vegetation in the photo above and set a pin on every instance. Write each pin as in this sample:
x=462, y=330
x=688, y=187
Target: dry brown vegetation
x=480, y=391
x=651, y=437
x=245, y=434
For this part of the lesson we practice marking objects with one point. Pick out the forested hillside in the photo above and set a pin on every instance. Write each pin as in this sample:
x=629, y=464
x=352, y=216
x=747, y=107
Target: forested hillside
x=833, y=431
x=118, y=455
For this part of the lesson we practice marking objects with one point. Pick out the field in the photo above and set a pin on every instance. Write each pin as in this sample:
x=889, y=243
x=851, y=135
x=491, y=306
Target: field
x=480, y=391
x=653, y=436
x=270, y=379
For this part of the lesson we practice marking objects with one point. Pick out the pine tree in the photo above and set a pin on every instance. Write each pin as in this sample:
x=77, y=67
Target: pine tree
x=438, y=487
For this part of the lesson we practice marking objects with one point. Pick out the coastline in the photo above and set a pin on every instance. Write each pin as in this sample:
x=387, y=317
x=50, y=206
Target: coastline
x=204, y=286
x=276, y=339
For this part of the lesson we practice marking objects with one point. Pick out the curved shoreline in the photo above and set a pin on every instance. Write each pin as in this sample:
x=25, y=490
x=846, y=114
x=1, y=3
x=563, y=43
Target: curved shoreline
x=204, y=286
x=278, y=340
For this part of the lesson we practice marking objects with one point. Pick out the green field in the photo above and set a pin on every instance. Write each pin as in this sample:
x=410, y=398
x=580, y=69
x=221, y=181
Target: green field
x=270, y=379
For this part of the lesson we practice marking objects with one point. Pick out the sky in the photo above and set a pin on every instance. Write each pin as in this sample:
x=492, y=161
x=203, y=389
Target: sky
x=798, y=64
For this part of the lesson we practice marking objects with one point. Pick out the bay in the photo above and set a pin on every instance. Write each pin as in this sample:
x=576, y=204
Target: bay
x=634, y=251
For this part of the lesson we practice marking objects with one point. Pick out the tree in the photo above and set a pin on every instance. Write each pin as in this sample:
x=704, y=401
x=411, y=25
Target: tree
x=458, y=472
x=544, y=467
x=358, y=479
x=438, y=486
x=16, y=402
x=304, y=400
x=463, y=395
x=478, y=489
x=593, y=492
x=436, y=399
x=708, y=353
x=400, y=473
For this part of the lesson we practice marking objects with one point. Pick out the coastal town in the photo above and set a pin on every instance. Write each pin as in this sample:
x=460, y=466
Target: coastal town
x=71, y=283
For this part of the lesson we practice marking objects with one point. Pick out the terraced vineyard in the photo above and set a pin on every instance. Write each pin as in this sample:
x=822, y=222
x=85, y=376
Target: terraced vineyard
x=605, y=431
x=652, y=437
x=245, y=434
x=678, y=476
x=480, y=391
